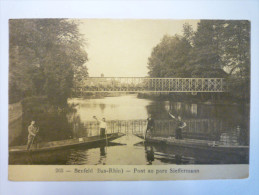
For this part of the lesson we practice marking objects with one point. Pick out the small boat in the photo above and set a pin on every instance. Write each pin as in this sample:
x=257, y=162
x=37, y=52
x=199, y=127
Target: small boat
x=61, y=144
x=207, y=145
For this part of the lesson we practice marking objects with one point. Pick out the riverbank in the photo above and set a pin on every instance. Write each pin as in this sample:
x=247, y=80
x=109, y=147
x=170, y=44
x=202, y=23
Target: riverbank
x=15, y=121
x=14, y=111
x=52, y=120
x=90, y=95
x=198, y=98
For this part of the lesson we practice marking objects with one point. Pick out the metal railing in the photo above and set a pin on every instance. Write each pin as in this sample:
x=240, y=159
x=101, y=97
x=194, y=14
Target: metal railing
x=209, y=129
x=144, y=84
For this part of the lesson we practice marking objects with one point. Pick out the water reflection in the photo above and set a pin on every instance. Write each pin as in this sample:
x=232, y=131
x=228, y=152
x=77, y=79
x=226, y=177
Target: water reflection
x=167, y=154
x=52, y=121
x=149, y=154
x=127, y=107
x=154, y=152
x=102, y=107
x=227, y=124
x=130, y=150
x=194, y=109
x=102, y=151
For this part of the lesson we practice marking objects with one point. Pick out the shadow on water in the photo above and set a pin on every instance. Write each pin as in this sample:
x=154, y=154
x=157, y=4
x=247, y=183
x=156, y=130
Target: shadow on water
x=181, y=155
x=211, y=122
x=151, y=155
x=76, y=156
x=51, y=120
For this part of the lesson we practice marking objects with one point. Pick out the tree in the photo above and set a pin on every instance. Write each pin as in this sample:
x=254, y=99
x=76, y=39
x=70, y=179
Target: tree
x=218, y=48
x=188, y=33
x=195, y=54
x=45, y=54
x=169, y=57
x=205, y=59
x=236, y=56
x=237, y=47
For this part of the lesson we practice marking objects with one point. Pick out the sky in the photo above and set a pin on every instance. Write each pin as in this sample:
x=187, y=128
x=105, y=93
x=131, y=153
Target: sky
x=121, y=47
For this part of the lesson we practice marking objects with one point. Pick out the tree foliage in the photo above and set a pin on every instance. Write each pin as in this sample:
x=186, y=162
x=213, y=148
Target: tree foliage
x=205, y=57
x=218, y=48
x=44, y=56
x=169, y=57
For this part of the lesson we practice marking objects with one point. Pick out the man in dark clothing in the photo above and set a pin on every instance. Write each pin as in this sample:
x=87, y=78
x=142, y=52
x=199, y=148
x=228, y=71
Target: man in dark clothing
x=180, y=126
x=150, y=125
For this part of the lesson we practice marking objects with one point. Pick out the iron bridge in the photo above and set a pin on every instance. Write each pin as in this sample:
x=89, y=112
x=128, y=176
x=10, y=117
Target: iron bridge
x=146, y=84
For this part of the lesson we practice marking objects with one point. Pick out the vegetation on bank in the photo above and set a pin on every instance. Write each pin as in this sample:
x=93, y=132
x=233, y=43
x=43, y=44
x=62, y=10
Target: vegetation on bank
x=52, y=120
x=218, y=48
x=47, y=58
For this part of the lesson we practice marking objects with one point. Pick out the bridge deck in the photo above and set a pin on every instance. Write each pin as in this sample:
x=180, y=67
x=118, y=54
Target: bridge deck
x=144, y=84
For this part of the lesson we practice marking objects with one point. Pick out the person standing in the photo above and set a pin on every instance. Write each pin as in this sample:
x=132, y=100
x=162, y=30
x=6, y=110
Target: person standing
x=33, y=131
x=180, y=126
x=102, y=125
x=150, y=125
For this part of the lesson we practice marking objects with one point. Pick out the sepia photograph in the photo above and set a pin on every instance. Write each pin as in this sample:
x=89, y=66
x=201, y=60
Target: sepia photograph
x=129, y=92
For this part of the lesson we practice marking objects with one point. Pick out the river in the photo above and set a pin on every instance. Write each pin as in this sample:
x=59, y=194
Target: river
x=204, y=121
x=132, y=149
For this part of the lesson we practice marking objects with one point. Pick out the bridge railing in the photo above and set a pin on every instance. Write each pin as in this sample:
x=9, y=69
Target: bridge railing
x=209, y=129
x=113, y=126
x=142, y=84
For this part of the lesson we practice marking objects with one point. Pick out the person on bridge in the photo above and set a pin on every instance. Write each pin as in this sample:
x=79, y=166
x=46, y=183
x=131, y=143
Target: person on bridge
x=102, y=126
x=180, y=126
x=33, y=131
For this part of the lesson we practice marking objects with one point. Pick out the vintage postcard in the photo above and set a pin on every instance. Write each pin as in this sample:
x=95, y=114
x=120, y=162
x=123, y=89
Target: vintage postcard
x=110, y=99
